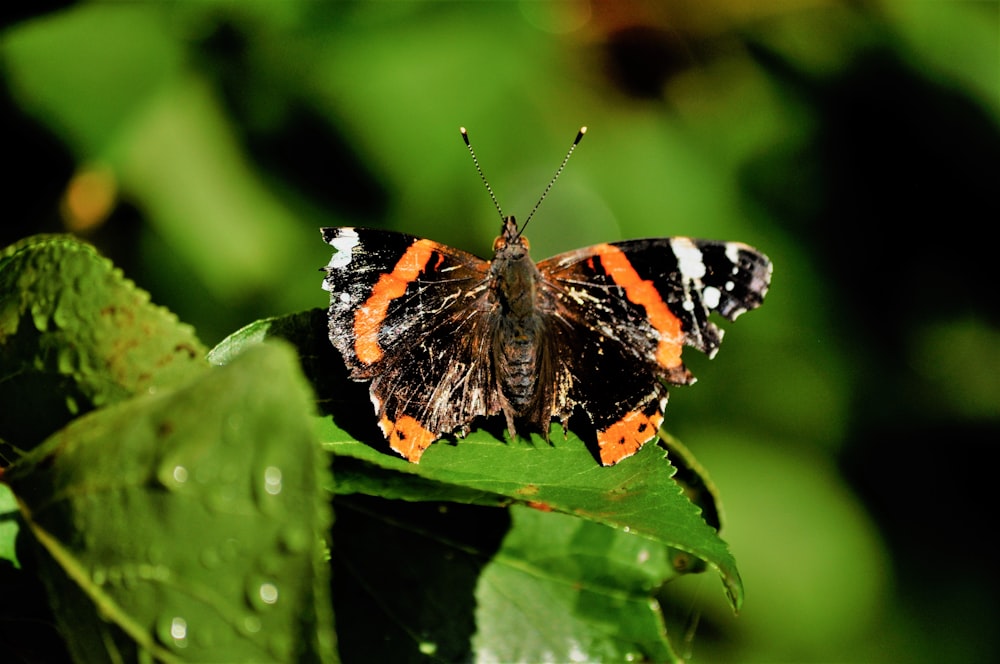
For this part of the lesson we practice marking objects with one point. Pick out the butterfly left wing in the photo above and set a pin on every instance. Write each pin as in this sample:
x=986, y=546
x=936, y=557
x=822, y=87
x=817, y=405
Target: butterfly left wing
x=409, y=315
x=627, y=309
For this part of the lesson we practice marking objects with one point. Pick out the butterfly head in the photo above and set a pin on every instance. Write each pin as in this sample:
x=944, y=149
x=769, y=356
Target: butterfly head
x=510, y=241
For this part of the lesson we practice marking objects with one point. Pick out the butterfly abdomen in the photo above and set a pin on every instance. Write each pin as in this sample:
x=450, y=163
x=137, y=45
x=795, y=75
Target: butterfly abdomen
x=516, y=358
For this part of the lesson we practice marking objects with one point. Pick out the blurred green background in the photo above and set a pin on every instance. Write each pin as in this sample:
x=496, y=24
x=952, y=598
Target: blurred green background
x=848, y=424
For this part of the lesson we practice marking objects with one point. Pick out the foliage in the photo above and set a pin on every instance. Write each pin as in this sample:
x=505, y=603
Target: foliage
x=182, y=513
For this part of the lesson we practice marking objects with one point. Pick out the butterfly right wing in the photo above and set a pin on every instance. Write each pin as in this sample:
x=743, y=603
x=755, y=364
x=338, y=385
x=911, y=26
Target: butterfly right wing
x=413, y=317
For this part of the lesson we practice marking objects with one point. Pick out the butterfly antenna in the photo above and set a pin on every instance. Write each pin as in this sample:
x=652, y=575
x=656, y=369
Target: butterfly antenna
x=465, y=137
x=569, y=153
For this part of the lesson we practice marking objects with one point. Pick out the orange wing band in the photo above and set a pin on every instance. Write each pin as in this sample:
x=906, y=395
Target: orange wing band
x=644, y=294
x=407, y=437
x=624, y=438
x=369, y=317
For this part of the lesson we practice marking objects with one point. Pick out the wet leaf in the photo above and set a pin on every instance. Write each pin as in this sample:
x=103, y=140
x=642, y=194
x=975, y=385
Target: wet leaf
x=76, y=335
x=187, y=524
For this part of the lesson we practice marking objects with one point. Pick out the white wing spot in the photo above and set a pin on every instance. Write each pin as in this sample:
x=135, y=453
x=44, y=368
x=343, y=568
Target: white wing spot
x=344, y=244
x=345, y=298
x=733, y=253
x=711, y=296
x=688, y=258
x=730, y=285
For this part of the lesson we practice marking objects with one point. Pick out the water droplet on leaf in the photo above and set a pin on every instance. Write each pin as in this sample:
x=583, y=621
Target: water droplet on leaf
x=172, y=630
x=268, y=593
x=178, y=631
x=272, y=480
x=261, y=594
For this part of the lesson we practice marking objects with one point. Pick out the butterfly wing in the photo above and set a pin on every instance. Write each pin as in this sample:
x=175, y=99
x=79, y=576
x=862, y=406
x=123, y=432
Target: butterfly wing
x=627, y=309
x=402, y=307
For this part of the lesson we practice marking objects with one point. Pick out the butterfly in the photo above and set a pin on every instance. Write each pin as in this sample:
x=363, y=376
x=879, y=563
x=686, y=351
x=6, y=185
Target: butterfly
x=445, y=337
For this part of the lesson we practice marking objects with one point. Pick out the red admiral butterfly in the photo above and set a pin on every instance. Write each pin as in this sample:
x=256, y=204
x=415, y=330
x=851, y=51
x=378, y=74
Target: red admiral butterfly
x=445, y=336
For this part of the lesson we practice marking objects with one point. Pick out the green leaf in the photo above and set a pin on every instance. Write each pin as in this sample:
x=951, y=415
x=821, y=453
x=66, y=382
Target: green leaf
x=76, y=335
x=637, y=495
x=570, y=588
x=187, y=524
x=8, y=526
